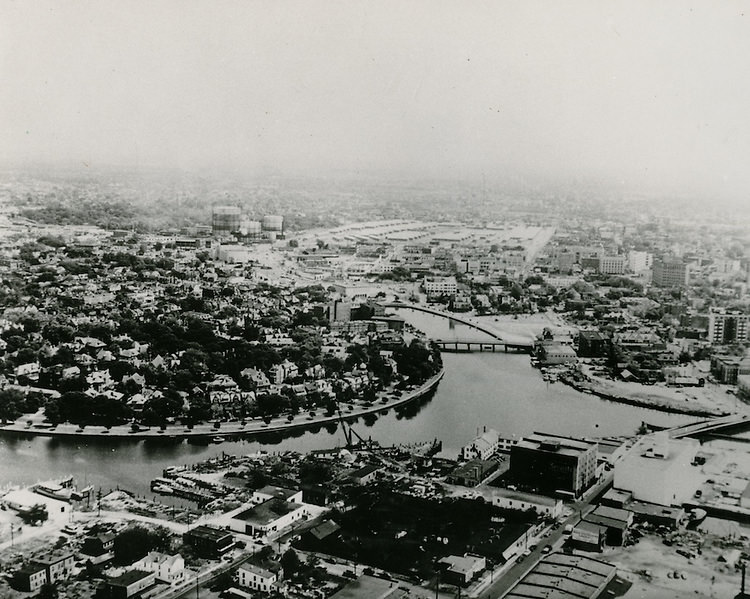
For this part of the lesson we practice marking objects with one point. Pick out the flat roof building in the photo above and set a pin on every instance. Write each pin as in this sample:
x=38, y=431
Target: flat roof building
x=550, y=463
x=659, y=470
x=208, y=542
x=561, y=576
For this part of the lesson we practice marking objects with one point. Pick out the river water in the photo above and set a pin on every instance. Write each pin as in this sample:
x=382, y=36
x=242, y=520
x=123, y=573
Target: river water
x=495, y=390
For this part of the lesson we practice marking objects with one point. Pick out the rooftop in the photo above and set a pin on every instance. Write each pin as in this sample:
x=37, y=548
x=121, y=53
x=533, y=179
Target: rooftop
x=266, y=512
x=127, y=578
x=561, y=445
x=279, y=492
x=208, y=532
x=561, y=576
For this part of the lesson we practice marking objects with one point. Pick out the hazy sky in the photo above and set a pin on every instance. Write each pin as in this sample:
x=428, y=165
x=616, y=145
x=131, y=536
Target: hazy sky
x=653, y=91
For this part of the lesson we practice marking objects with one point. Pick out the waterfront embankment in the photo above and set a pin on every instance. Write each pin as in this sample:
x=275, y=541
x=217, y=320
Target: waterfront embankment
x=36, y=426
x=652, y=401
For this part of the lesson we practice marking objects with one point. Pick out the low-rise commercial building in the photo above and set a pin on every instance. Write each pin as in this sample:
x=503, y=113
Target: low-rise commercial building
x=472, y=473
x=588, y=536
x=267, y=517
x=132, y=583
x=518, y=500
x=616, y=523
x=208, y=542
x=461, y=570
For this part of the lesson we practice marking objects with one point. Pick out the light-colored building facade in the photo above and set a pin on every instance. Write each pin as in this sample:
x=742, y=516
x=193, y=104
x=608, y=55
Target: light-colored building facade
x=670, y=272
x=518, y=500
x=168, y=568
x=483, y=447
x=612, y=265
x=440, y=286
x=728, y=327
x=255, y=578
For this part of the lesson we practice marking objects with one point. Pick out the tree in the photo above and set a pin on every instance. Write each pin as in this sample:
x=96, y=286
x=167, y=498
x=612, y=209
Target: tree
x=135, y=542
x=48, y=591
x=36, y=514
x=11, y=401
x=290, y=562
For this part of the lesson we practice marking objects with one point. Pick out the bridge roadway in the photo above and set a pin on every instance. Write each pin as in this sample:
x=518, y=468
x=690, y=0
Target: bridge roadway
x=709, y=425
x=506, y=338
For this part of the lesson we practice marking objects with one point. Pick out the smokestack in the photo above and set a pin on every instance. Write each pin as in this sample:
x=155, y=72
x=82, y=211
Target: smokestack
x=743, y=579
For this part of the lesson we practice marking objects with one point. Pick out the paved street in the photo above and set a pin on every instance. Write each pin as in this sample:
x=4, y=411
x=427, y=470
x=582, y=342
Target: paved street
x=500, y=587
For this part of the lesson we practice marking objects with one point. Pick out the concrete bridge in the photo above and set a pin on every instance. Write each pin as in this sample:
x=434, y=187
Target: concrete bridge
x=516, y=342
x=468, y=346
x=711, y=425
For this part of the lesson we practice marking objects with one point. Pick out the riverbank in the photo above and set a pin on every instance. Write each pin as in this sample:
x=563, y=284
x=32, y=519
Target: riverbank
x=210, y=431
x=652, y=401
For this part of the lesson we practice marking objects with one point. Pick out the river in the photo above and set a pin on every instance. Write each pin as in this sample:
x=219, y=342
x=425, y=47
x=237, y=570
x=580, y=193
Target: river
x=495, y=390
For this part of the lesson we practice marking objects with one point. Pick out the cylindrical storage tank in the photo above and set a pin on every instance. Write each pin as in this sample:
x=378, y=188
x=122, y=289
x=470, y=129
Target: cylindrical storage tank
x=225, y=220
x=273, y=222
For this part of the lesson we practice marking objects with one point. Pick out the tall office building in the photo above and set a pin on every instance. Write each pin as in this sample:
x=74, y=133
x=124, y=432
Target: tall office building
x=670, y=272
x=612, y=265
x=550, y=463
x=639, y=261
x=225, y=220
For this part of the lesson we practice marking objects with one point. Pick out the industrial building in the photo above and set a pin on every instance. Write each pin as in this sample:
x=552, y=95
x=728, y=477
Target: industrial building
x=560, y=576
x=659, y=470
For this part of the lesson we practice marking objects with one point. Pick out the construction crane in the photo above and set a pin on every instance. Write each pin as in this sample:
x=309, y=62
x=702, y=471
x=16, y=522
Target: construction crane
x=348, y=430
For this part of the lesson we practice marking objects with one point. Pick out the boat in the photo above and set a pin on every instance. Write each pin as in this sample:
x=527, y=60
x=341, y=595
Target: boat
x=162, y=489
x=217, y=440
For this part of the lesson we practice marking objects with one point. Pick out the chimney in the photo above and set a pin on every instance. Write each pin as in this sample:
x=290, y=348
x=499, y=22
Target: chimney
x=743, y=581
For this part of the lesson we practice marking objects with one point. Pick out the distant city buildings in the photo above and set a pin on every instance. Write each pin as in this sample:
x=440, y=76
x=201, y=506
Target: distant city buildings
x=440, y=285
x=670, y=272
x=639, y=261
x=612, y=265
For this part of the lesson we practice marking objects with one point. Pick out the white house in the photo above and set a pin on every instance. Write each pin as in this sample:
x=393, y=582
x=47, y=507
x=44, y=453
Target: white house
x=483, y=447
x=255, y=578
x=168, y=568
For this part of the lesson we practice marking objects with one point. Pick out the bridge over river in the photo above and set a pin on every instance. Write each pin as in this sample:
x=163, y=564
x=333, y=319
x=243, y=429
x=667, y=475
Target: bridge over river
x=706, y=426
x=510, y=341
